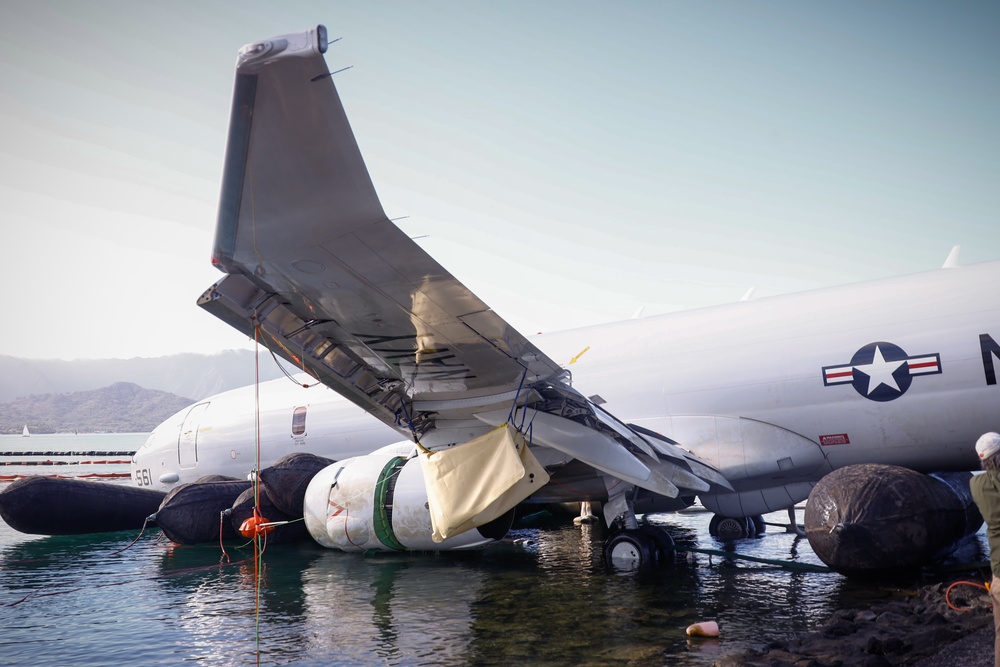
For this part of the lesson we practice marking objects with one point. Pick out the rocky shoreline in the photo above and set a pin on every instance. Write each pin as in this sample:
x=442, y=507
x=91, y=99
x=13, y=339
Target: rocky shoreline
x=916, y=624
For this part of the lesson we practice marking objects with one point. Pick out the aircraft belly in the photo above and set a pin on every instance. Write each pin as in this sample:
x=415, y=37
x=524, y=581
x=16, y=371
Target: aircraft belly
x=746, y=449
x=757, y=501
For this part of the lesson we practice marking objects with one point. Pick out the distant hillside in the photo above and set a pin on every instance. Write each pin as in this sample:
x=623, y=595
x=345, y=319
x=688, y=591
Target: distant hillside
x=121, y=408
x=194, y=375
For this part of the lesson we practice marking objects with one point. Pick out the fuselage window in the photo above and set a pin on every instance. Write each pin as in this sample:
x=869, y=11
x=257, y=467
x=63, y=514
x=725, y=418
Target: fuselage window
x=299, y=421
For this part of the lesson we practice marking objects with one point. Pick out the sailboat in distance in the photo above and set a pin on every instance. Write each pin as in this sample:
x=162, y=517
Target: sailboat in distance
x=25, y=432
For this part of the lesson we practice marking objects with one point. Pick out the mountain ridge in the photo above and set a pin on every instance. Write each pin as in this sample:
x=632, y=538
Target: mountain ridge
x=122, y=407
x=191, y=375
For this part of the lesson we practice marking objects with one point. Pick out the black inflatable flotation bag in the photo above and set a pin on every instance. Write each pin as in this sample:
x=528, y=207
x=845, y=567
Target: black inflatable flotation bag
x=871, y=518
x=192, y=513
x=243, y=510
x=57, y=506
x=286, y=481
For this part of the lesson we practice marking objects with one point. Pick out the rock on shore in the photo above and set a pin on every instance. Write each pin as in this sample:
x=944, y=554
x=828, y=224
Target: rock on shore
x=901, y=632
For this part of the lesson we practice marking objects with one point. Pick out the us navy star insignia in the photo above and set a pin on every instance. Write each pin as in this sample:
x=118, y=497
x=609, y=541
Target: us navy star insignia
x=882, y=371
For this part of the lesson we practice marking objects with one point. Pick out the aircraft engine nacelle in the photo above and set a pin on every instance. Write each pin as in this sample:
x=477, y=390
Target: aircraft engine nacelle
x=379, y=502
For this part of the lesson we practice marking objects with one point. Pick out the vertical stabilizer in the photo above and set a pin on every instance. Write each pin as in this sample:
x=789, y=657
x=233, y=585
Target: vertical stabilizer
x=952, y=260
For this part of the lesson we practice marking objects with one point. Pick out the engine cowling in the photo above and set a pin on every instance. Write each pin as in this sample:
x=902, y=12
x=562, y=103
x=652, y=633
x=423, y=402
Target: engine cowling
x=379, y=502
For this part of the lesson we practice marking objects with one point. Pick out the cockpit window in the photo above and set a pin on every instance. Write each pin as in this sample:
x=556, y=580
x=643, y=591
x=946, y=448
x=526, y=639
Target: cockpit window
x=299, y=421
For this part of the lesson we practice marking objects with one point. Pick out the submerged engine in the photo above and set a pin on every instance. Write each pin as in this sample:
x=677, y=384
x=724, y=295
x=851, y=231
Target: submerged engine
x=379, y=502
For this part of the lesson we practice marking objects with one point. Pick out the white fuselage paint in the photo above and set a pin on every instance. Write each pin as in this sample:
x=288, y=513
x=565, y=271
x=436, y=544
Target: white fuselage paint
x=740, y=385
x=218, y=436
x=763, y=361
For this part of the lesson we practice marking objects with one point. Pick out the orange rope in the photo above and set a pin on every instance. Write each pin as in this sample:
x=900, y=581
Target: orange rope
x=947, y=593
x=299, y=359
x=258, y=550
x=256, y=485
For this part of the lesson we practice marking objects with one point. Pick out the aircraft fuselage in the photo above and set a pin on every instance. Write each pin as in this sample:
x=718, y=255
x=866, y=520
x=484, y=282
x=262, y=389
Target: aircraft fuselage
x=773, y=392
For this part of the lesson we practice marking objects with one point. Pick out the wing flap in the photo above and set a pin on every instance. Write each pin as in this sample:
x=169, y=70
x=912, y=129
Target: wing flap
x=587, y=445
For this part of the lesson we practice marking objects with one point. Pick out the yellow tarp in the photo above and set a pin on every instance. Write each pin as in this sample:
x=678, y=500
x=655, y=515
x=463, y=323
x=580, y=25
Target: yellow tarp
x=473, y=483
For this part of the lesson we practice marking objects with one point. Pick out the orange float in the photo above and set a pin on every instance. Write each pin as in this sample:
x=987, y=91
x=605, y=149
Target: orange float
x=255, y=525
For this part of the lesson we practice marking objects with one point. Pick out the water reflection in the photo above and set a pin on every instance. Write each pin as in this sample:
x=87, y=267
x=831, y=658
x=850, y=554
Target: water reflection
x=220, y=619
x=404, y=609
x=545, y=601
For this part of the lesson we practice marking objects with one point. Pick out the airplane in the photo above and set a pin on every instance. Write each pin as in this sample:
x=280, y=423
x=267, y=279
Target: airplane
x=743, y=406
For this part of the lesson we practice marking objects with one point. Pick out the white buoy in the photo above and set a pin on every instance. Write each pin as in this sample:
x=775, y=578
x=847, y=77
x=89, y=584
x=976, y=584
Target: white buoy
x=703, y=629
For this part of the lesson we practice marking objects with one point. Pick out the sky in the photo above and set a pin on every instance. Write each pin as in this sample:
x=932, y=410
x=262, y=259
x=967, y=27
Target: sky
x=571, y=162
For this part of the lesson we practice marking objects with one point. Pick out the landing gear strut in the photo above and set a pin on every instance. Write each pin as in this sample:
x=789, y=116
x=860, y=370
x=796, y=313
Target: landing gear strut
x=631, y=546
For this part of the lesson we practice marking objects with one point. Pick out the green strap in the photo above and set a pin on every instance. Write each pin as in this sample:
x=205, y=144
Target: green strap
x=384, y=488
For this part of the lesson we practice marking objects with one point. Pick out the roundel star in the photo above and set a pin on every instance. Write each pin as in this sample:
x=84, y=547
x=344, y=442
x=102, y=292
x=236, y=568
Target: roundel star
x=880, y=371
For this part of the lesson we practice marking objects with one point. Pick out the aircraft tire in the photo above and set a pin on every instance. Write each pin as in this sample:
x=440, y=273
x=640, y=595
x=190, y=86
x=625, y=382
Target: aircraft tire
x=630, y=550
x=663, y=541
x=730, y=528
x=759, y=527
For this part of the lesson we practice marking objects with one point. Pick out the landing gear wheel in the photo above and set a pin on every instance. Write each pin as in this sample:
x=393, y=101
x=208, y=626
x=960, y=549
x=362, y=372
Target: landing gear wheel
x=759, y=527
x=630, y=550
x=728, y=528
x=663, y=541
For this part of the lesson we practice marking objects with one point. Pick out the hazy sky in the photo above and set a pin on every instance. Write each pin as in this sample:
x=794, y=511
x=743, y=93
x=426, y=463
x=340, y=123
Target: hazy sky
x=570, y=161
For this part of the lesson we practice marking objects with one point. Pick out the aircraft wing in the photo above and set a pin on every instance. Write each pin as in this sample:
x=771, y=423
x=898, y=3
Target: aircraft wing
x=317, y=271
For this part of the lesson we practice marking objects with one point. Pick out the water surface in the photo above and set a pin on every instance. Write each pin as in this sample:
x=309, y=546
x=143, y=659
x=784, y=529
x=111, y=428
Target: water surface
x=550, y=601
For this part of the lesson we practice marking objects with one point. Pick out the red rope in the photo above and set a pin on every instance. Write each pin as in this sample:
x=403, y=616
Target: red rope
x=947, y=593
x=132, y=543
x=258, y=551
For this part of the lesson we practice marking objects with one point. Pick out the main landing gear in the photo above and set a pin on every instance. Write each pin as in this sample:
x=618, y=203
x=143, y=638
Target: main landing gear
x=638, y=548
x=729, y=528
x=630, y=546
x=643, y=546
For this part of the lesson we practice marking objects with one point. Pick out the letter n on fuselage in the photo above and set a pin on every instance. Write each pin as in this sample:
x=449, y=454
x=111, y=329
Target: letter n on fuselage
x=990, y=349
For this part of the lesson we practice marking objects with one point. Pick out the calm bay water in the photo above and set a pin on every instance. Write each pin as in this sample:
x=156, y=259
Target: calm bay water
x=84, y=601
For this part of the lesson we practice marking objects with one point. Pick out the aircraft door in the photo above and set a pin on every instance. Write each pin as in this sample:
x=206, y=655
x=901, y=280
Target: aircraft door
x=187, y=440
x=299, y=425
